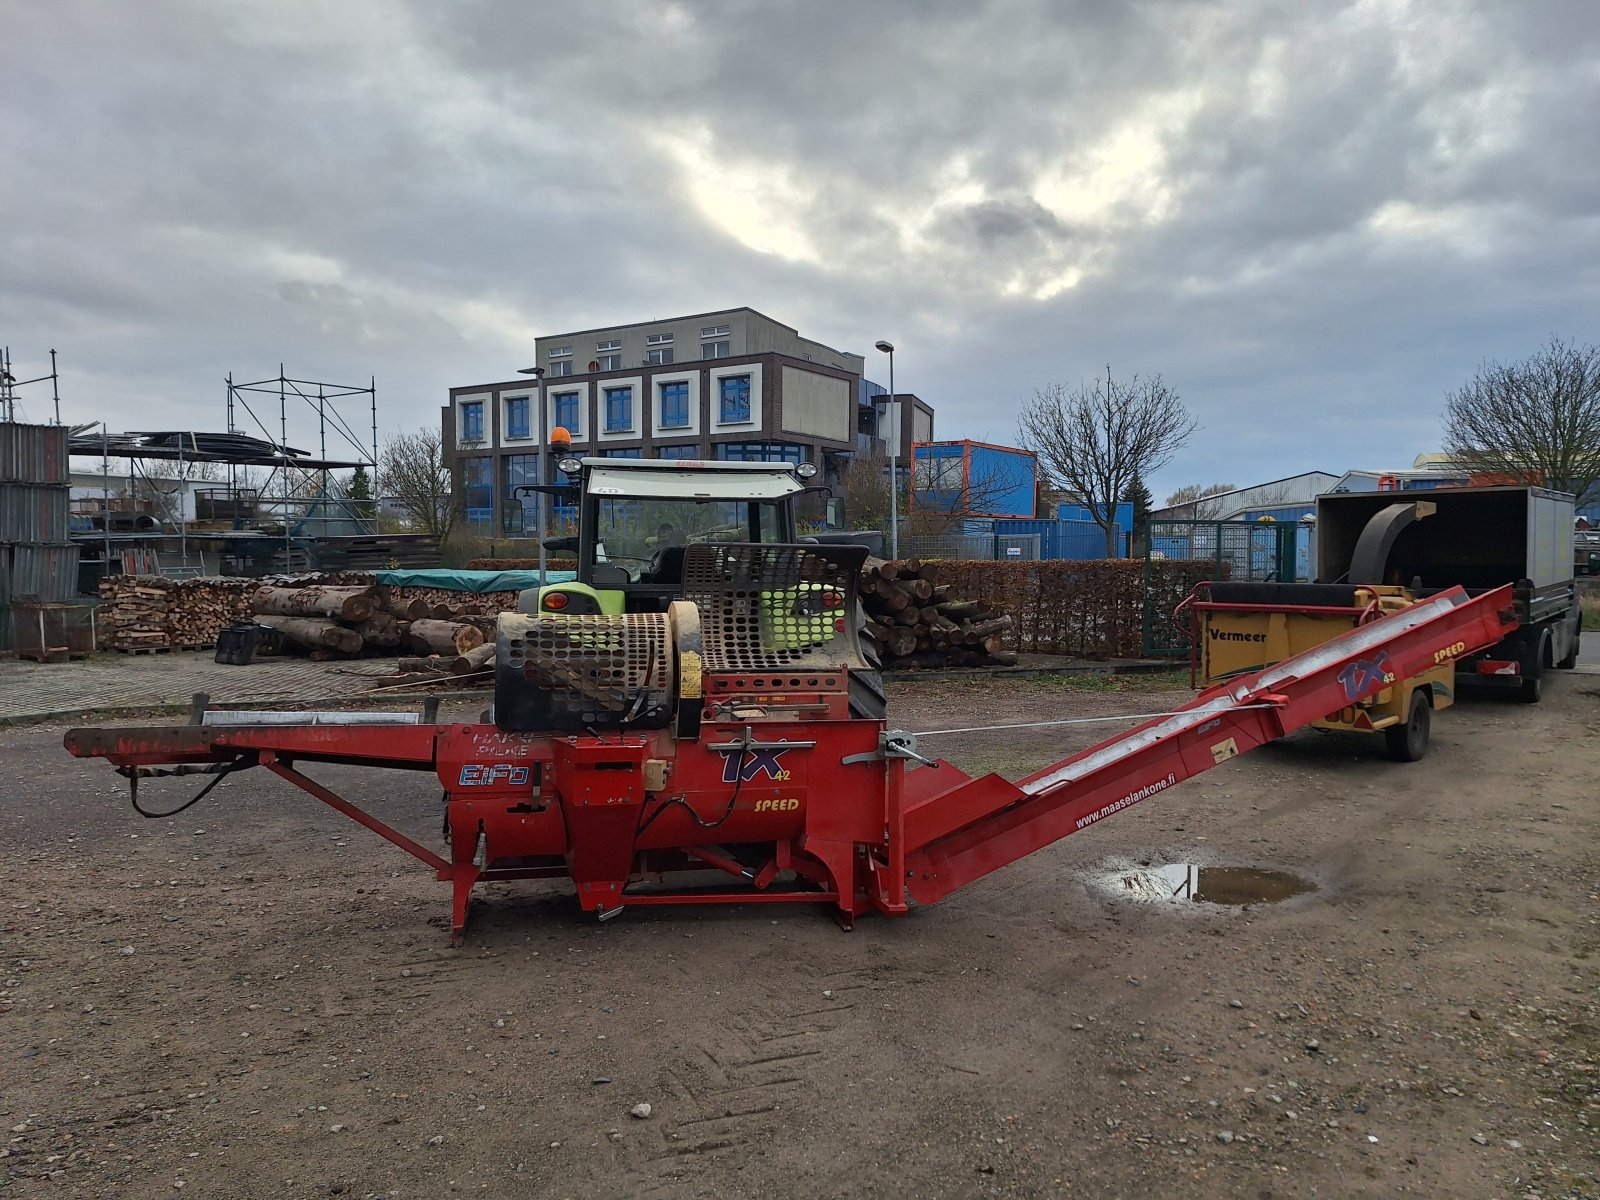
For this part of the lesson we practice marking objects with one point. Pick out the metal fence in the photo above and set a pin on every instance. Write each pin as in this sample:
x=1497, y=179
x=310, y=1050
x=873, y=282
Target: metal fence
x=1242, y=550
x=994, y=546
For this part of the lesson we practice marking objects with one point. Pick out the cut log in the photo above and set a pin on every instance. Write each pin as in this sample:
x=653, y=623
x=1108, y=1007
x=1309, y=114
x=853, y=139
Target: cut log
x=917, y=589
x=415, y=609
x=474, y=660
x=901, y=641
x=984, y=628
x=381, y=629
x=445, y=637
x=958, y=609
x=346, y=603
x=315, y=633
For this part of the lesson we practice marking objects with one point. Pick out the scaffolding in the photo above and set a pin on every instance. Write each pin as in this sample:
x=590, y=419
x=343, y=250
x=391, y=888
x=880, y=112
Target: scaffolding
x=9, y=384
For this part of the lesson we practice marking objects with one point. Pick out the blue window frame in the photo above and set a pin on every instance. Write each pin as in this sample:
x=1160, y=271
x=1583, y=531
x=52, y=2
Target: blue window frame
x=690, y=451
x=619, y=409
x=517, y=417
x=633, y=453
x=675, y=405
x=477, y=490
x=472, y=421
x=735, y=393
x=566, y=406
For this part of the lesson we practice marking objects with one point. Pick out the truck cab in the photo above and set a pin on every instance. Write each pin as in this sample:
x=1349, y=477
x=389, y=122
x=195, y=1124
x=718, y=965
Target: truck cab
x=636, y=516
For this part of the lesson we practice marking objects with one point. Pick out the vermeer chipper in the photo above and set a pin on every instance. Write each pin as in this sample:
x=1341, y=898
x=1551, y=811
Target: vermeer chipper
x=634, y=752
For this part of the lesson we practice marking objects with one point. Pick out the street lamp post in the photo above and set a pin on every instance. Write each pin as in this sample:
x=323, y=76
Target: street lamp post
x=544, y=453
x=894, y=456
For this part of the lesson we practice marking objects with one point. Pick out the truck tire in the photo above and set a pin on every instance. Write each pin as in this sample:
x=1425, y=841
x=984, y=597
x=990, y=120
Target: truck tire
x=1408, y=741
x=867, y=698
x=1571, y=660
x=1531, y=689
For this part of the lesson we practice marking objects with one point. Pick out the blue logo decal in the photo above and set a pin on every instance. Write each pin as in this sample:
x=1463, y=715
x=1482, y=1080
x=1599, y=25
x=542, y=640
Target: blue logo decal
x=1366, y=675
x=758, y=760
x=488, y=774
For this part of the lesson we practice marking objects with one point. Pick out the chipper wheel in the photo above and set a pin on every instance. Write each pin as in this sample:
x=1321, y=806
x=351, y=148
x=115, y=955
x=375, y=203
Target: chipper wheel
x=1408, y=741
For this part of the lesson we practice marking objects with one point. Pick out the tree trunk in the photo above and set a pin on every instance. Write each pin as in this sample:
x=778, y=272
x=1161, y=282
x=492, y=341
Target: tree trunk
x=317, y=633
x=474, y=660
x=445, y=637
x=406, y=610
x=380, y=629
x=346, y=603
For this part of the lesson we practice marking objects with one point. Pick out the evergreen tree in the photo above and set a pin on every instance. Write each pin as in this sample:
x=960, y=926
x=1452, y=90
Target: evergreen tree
x=361, y=493
x=1139, y=496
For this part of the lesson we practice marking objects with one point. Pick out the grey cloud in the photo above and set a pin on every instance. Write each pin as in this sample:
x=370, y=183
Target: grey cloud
x=1354, y=202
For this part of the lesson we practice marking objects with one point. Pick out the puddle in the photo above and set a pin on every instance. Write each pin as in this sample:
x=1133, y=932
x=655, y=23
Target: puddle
x=1178, y=883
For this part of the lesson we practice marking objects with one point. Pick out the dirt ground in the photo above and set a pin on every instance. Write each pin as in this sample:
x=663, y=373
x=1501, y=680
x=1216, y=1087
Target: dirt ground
x=256, y=999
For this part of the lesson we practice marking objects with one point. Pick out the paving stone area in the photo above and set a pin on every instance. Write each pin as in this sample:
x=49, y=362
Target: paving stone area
x=29, y=689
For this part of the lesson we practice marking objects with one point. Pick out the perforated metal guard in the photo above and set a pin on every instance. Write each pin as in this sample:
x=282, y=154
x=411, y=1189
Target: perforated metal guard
x=574, y=673
x=773, y=608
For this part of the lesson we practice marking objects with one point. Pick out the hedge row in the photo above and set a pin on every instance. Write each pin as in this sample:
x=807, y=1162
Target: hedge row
x=1092, y=609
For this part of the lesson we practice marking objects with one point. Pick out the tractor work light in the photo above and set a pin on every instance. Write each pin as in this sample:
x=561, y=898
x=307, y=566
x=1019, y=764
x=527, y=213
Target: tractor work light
x=806, y=470
x=570, y=466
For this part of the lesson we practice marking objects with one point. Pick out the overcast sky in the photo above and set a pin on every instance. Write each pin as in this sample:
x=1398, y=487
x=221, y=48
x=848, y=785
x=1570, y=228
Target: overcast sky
x=1313, y=218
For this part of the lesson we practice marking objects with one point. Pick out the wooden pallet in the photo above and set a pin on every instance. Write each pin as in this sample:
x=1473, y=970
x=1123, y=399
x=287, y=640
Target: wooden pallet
x=53, y=655
x=174, y=649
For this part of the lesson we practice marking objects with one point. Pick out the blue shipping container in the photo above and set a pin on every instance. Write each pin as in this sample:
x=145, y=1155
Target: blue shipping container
x=973, y=477
x=1078, y=540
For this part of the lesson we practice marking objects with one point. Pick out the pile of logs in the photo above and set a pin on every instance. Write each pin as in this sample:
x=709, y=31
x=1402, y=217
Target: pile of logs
x=341, y=621
x=140, y=612
x=918, y=622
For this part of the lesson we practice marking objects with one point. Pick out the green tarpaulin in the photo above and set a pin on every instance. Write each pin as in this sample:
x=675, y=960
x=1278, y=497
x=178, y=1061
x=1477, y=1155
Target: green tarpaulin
x=473, y=581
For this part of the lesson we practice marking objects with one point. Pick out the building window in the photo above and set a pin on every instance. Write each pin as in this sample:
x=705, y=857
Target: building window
x=735, y=393
x=610, y=362
x=561, y=367
x=677, y=451
x=658, y=339
x=716, y=349
x=713, y=331
x=522, y=471
x=472, y=421
x=559, y=352
x=784, y=452
x=619, y=409
x=477, y=491
x=635, y=452
x=658, y=356
x=674, y=406
x=517, y=417
x=566, y=406
x=612, y=344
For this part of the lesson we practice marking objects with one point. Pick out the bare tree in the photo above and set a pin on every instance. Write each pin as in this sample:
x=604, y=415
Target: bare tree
x=1093, y=439
x=1538, y=419
x=1194, y=501
x=416, y=478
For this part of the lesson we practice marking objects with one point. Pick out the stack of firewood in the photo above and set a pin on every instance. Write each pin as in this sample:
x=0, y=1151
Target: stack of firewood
x=342, y=621
x=140, y=612
x=918, y=622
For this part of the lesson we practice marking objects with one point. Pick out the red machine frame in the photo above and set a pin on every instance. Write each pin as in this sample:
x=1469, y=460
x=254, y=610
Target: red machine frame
x=792, y=800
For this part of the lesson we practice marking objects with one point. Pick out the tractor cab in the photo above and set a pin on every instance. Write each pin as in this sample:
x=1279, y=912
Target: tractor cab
x=636, y=517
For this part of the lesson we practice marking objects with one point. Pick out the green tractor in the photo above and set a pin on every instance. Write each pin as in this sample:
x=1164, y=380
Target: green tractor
x=636, y=517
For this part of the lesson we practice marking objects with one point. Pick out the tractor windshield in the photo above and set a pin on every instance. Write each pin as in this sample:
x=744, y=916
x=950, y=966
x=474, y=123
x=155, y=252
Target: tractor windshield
x=632, y=531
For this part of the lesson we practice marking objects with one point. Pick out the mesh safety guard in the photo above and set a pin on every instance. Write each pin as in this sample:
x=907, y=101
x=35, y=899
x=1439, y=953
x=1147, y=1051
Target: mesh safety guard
x=776, y=608
x=583, y=672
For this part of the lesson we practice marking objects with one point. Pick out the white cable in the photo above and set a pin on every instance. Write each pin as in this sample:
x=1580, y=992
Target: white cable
x=1085, y=720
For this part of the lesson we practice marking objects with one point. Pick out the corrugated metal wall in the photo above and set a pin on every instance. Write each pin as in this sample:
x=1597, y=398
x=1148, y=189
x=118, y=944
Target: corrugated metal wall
x=37, y=561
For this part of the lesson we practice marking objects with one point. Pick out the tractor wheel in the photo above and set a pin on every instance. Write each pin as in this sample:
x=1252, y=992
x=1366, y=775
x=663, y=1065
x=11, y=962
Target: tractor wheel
x=1408, y=742
x=867, y=699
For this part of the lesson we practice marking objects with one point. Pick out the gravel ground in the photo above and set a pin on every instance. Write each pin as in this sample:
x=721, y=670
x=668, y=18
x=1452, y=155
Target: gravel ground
x=255, y=999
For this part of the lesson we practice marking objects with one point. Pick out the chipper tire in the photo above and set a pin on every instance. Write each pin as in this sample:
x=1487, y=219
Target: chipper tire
x=1408, y=741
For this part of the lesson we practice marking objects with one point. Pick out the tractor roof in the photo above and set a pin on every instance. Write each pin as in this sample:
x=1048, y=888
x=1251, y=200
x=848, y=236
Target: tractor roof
x=690, y=479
